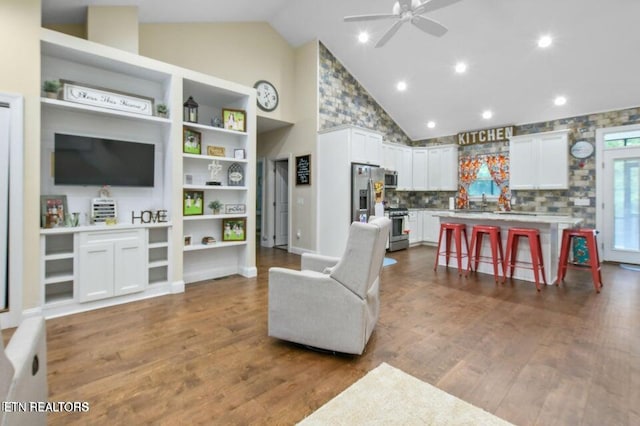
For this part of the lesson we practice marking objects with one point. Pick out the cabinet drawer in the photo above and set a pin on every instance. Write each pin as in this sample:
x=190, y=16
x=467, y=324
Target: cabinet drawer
x=110, y=236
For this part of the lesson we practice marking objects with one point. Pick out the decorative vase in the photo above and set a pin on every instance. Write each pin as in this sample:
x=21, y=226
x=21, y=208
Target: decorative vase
x=51, y=95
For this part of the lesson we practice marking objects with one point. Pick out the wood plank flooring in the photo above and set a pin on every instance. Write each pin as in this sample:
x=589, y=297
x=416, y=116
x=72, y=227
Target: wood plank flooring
x=564, y=356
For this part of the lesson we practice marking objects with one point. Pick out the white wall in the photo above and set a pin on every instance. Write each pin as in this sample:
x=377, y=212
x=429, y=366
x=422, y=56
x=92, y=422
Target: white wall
x=20, y=42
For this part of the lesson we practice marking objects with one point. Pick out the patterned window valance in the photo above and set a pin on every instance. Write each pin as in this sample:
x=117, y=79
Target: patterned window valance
x=498, y=165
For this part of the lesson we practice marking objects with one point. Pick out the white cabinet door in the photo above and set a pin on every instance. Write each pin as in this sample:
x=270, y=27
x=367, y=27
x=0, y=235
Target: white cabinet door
x=388, y=157
x=374, y=148
x=366, y=147
x=522, y=163
x=95, y=272
x=405, y=168
x=430, y=226
x=415, y=227
x=130, y=267
x=449, y=168
x=553, y=161
x=420, y=164
x=434, y=169
x=539, y=161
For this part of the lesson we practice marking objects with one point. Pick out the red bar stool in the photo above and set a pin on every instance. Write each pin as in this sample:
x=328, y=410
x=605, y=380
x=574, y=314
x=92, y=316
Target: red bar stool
x=458, y=230
x=592, y=248
x=497, y=255
x=537, y=262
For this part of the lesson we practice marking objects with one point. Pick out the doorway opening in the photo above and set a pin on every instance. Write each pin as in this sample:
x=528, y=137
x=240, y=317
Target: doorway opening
x=281, y=204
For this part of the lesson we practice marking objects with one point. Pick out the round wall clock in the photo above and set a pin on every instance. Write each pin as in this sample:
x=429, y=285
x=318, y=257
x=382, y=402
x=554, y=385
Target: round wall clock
x=582, y=149
x=267, y=95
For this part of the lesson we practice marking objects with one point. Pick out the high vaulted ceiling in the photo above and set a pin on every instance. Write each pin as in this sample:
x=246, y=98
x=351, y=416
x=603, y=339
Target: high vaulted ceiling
x=593, y=60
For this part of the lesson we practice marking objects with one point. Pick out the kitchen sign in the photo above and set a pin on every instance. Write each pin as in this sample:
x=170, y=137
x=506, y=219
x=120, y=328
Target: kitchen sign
x=497, y=134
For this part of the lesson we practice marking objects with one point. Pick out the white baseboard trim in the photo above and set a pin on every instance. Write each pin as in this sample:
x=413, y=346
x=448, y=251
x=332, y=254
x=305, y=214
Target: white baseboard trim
x=177, y=287
x=249, y=272
x=209, y=274
x=299, y=250
x=32, y=312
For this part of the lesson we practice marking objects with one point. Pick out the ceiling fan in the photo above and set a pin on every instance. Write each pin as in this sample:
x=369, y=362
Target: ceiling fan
x=408, y=11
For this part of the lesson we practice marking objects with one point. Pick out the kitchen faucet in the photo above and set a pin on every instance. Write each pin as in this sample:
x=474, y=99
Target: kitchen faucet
x=484, y=201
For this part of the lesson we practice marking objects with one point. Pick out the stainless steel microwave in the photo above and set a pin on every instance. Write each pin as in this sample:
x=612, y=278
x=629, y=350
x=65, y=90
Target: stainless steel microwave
x=390, y=179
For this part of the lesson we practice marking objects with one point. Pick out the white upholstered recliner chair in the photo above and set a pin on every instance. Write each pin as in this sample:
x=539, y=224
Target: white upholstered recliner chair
x=23, y=372
x=332, y=303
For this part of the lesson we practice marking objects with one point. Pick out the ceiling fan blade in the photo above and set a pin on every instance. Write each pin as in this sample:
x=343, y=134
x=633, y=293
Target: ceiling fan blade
x=369, y=17
x=390, y=32
x=429, y=26
x=431, y=5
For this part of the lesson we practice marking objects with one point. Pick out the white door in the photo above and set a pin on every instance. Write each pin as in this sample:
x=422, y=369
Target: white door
x=434, y=169
x=523, y=163
x=4, y=203
x=282, y=203
x=622, y=205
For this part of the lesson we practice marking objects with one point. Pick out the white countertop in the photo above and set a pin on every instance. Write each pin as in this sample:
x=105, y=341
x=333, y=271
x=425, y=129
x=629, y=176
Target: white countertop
x=511, y=217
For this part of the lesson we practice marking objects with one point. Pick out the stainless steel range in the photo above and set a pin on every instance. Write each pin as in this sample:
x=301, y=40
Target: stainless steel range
x=398, y=238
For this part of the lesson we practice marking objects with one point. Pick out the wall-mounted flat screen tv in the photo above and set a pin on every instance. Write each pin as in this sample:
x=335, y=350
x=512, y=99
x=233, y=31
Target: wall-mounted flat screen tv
x=82, y=160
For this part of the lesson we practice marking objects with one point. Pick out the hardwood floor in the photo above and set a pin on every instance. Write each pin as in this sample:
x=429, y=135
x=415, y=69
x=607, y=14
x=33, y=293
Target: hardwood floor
x=562, y=356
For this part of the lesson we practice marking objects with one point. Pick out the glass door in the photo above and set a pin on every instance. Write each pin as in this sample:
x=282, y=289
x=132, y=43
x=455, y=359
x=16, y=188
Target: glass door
x=622, y=204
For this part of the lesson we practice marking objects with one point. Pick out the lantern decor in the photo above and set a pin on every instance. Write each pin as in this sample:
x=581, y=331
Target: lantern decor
x=191, y=110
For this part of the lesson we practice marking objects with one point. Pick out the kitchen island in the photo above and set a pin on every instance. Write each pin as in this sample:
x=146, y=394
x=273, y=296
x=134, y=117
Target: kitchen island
x=549, y=226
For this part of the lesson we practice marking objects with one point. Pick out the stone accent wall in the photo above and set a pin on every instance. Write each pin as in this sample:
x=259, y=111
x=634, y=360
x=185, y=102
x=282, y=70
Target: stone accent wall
x=343, y=101
x=582, y=180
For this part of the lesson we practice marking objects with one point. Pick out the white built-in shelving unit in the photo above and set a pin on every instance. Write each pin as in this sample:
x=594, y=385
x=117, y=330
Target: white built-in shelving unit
x=162, y=263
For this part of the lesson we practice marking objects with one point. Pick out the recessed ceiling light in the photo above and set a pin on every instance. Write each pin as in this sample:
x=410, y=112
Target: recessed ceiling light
x=560, y=100
x=545, y=41
x=431, y=124
x=461, y=67
x=363, y=37
x=401, y=86
x=487, y=114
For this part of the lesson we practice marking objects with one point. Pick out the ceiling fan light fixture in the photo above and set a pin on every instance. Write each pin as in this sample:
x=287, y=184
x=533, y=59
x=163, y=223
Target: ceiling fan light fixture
x=545, y=41
x=363, y=37
x=401, y=86
x=461, y=68
x=487, y=114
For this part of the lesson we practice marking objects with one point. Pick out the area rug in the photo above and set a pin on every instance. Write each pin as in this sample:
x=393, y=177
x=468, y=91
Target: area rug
x=389, y=261
x=388, y=396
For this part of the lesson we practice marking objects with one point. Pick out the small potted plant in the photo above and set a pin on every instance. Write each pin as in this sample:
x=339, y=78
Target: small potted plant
x=215, y=205
x=51, y=88
x=162, y=110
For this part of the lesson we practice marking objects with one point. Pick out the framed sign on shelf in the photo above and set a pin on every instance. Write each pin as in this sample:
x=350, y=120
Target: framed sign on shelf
x=106, y=98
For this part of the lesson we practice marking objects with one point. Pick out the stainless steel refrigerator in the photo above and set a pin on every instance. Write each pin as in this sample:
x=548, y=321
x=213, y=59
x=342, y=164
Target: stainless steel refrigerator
x=367, y=192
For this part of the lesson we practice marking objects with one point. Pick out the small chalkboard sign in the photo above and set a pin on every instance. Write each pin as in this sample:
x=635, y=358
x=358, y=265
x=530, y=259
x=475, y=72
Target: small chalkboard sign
x=303, y=170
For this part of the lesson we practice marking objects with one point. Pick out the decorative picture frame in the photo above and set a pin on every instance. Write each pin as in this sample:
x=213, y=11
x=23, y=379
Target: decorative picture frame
x=188, y=179
x=235, y=175
x=234, y=229
x=187, y=240
x=53, y=209
x=234, y=119
x=192, y=202
x=239, y=154
x=216, y=151
x=106, y=98
x=235, y=208
x=191, y=141
x=303, y=170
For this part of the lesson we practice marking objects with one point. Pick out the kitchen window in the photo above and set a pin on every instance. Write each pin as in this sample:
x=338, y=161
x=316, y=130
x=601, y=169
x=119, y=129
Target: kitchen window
x=484, y=184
